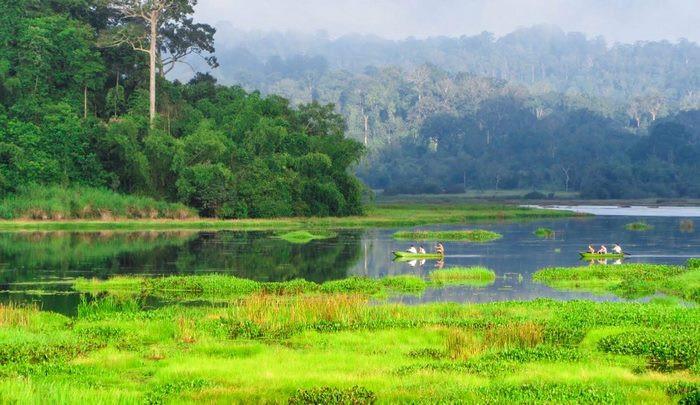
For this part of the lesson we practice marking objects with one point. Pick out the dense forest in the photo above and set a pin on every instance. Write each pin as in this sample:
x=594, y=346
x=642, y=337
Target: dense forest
x=538, y=108
x=92, y=96
x=84, y=102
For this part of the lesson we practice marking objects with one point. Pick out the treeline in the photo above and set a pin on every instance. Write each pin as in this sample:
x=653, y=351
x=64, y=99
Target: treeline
x=535, y=109
x=75, y=109
x=505, y=146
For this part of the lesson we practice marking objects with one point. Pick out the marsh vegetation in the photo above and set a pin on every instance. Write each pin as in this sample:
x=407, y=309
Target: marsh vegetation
x=473, y=235
x=301, y=346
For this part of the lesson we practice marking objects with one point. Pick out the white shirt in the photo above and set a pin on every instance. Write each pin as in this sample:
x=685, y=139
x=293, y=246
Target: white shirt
x=617, y=249
x=412, y=250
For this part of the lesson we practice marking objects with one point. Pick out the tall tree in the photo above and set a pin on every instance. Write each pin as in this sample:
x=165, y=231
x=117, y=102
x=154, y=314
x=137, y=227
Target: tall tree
x=156, y=26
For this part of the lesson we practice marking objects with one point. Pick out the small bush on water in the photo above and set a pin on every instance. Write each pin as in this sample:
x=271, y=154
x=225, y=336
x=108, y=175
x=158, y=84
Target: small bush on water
x=105, y=307
x=544, y=233
x=474, y=276
x=476, y=235
x=404, y=284
x=638, y=226
x=687, y=226
x=332, y=395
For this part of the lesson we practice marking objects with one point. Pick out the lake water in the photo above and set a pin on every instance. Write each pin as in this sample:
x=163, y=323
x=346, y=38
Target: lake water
x=39, y=266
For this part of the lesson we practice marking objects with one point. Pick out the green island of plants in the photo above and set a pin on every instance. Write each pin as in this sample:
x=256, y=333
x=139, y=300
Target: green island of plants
x=544, y=233
x=627, y=280
x=302, y=237
x=313, y=347
x=469, y=276
x=218, y=287
x=639, y=226
x=473, y=235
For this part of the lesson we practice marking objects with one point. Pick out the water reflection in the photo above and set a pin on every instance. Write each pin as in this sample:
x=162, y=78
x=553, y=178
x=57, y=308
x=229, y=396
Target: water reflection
x=40, y=266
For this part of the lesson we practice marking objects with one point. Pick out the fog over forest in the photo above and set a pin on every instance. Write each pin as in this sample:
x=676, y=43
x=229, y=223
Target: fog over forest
x=616, y=20
x=450, y=96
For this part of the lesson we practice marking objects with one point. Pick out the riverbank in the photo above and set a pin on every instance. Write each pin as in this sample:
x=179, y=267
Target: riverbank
x=384, y=215
x=321, y=347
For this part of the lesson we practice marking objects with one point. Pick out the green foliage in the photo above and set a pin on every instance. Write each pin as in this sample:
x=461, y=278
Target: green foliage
x=59, y=203
x=666, y=350
x=626, y=280
x=638, y=226
x=544, y=233
x=222, y=287
x=474, y=276
x=476, y=235
x=162, y=392
x=273, y=347
x=693, y=263
x=302, y=237
x=331, y=395
x=75, y=112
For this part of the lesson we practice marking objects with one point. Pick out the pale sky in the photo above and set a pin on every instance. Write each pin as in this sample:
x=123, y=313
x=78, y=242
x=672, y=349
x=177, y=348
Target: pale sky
x=616, y=20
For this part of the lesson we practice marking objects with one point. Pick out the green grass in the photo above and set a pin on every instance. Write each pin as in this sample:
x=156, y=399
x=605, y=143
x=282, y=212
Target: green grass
x=638, y=226
x=302, y=237
x=470, y=276
x=323, y=347
x=390, y=215
x=476, y=235
x=54, y=203
x=626, y=280
x=544, y=233
x=217, y=287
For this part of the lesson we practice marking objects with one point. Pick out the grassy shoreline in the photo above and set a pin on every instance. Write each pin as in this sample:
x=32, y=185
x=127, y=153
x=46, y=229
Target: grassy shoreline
x=313, y=348
x=376, y=216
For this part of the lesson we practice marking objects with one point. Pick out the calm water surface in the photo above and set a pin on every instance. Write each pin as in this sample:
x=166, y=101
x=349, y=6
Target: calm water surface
x=39, y=266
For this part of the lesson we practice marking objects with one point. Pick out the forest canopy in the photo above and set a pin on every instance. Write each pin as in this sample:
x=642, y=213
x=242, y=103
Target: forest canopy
x=538, y=108
x=75, y=96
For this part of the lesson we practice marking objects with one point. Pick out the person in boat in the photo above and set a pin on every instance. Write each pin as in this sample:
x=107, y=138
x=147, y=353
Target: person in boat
x=421, y=250
x=603, y=250
x=617, y=249
x=591, y=249
x=412, y=249
x=439, y=249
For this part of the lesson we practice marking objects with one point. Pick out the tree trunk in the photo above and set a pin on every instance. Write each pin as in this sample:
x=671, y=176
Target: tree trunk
x=116, y=94
x=366, y=117
x=153, y=54
x=85, y=102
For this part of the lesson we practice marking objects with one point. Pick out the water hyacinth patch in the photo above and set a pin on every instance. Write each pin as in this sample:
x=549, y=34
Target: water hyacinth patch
x=476, y=235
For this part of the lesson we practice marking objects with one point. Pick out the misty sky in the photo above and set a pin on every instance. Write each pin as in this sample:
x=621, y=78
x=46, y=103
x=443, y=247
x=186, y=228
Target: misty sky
x=616, y=20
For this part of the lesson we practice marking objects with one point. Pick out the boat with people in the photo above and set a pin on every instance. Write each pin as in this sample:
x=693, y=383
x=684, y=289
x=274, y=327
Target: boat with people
x=593, y=256
x=417, y=256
